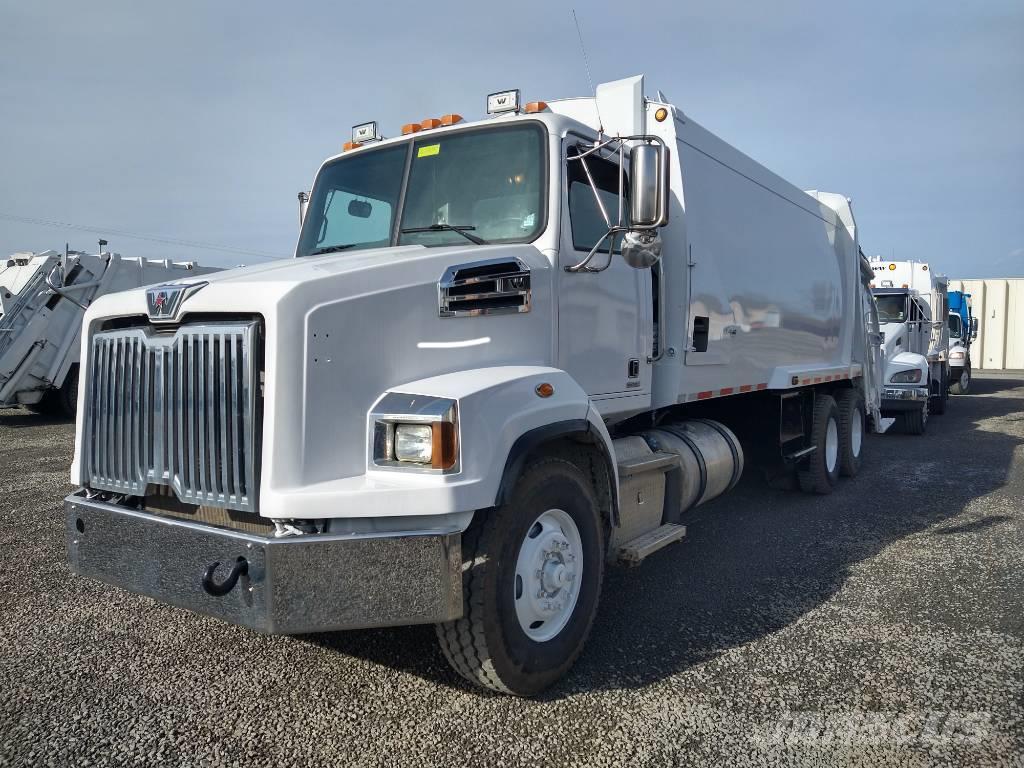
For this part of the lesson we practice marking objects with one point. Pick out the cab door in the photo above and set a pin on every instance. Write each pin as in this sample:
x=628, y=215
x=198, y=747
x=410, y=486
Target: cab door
x=604, y=318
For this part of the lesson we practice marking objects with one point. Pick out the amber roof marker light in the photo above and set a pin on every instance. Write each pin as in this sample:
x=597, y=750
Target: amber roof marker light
x=535, y=106
x=660, y=114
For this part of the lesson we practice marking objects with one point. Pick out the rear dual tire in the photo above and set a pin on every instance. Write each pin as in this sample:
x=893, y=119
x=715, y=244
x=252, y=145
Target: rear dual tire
x=821, y=471
x=60, y=403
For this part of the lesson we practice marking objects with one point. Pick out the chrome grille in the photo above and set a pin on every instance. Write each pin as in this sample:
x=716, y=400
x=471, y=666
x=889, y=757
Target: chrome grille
x=177, y=411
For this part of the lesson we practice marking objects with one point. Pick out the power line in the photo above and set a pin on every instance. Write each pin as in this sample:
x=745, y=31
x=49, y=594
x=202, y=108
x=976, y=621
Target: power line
x=138, y=236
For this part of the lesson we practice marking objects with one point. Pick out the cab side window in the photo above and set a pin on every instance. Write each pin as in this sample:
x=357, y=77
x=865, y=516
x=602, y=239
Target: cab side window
x=585, y=217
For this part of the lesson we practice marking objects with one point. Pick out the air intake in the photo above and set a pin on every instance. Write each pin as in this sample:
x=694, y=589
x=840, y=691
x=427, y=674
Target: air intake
x=492, y=287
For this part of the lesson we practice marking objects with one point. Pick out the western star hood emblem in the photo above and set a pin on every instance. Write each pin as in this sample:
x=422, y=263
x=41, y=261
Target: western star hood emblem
x=164, y=301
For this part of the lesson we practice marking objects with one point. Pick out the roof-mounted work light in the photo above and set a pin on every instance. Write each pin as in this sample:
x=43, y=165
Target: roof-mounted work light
x=503, y=101
x=365, y=132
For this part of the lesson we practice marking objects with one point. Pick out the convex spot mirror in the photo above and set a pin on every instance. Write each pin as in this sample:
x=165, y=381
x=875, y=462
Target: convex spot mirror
x=360, y=209
x=974, y=328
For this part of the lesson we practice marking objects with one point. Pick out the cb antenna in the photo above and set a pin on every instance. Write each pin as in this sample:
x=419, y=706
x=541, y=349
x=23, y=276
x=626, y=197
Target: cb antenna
x=586, y=64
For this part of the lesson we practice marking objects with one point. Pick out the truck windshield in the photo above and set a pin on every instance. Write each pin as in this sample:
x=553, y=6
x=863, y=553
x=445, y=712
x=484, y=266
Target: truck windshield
x=955, y=327
x=892, y=308
x=487, y=183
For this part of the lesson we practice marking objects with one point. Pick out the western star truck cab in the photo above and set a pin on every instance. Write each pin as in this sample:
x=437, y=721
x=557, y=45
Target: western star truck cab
x=507, y=352
x=963, y=330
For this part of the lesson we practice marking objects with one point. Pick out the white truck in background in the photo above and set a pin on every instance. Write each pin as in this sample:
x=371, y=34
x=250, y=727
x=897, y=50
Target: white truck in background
x=963, y=330
x=507, y=352
x=913, y=307
x=42, y=299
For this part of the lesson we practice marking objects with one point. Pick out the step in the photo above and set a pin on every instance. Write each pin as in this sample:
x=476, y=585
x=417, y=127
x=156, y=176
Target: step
x=656, y=461
x=633, y=552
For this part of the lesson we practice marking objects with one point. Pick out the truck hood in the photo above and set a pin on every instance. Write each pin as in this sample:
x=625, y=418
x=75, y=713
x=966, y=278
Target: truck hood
x=895, y=335
x=341, y=329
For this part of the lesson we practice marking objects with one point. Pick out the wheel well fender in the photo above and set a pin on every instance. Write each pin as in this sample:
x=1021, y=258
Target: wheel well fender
x=568, y=436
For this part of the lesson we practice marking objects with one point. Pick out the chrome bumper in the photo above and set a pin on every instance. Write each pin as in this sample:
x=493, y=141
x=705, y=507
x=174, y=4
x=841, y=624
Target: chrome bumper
x=903, y=398
x=310, y=583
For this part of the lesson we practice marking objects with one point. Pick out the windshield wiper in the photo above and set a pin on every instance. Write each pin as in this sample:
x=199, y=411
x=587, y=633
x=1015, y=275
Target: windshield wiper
x=460, y=228
x=333, y=249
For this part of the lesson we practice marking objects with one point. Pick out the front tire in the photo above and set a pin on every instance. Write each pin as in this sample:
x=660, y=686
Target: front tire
x=532, y=572
x=963, y=383
x=914, y=422
x=822, y=470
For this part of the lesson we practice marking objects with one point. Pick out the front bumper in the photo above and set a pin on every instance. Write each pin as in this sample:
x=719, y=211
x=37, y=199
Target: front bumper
x=309, y=583
x=897, y=398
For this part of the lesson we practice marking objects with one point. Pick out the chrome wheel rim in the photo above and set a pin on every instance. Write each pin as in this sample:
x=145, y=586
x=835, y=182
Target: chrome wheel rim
x=965, y=380
x=549, y=569
x=831, y=445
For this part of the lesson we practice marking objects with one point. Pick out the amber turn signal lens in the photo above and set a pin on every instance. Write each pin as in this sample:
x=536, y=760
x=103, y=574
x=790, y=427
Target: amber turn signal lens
x=430, y=122
x=544, y=390
x=411, y=128
x=350, y=145
x=443, y=445
x=660, y=114
x=535, y=106
x=451, y=119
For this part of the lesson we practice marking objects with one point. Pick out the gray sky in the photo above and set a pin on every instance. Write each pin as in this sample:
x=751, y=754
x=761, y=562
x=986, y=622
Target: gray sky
x=200, y=121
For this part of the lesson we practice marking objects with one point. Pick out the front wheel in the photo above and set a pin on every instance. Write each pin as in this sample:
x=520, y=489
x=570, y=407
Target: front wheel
x=914, y=422
x=532, y=572
x=962, y=385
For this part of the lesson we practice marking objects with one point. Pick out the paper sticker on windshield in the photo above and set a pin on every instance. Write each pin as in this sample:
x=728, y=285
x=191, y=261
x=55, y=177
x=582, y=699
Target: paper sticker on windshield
x=430, y=149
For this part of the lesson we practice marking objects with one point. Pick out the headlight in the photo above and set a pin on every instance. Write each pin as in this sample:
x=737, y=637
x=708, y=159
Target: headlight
x=906, y=377
x=956, y=355
x=411, y=432
x=413, y=442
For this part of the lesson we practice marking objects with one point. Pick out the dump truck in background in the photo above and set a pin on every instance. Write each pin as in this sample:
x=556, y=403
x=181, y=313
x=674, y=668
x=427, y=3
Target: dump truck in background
x=913, y=307
x=42, y=299
x=963, y=330
x=507, y=353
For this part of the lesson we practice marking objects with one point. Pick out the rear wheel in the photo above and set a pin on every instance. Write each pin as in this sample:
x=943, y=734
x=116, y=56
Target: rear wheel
x=66, y=398
x=851, y=431
x=914, y=422
x=532, y=572
x=962, y=385
x=822, y=469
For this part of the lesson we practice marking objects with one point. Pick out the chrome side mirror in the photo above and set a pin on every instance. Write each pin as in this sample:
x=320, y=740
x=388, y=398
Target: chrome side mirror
x=645, y=186
x=974, y=328
x=303, y=204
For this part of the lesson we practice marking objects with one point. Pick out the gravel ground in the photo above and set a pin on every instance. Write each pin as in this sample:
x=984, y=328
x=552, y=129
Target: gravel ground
x=883, y=624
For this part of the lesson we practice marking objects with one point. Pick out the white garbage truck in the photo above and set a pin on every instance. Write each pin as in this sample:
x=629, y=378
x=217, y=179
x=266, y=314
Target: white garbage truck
x=913, y=306
x=42, y=299
x=507, y=352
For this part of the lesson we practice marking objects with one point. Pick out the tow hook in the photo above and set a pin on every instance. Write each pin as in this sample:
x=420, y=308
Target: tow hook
x=211, y=587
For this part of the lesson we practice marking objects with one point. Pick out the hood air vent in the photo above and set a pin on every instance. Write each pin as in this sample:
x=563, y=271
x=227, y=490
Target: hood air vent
x=491, y=287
